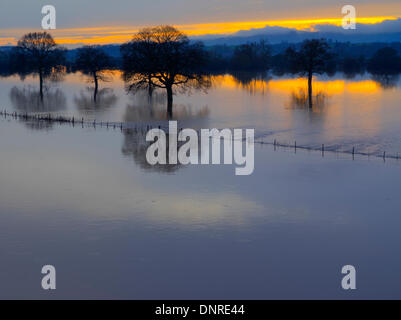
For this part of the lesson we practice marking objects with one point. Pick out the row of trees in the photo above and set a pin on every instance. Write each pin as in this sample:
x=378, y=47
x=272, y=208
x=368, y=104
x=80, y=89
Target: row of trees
x=163, y=57
x=158, y=57
x=385, y=61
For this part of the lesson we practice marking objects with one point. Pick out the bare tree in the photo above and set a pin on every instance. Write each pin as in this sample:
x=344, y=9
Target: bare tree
x=139, y=61
x=163, y=57
x=38, y=53
x=93, y=62
x=311, y=59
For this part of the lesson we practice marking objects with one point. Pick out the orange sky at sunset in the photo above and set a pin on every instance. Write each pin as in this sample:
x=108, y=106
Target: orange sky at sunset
x=113, y=35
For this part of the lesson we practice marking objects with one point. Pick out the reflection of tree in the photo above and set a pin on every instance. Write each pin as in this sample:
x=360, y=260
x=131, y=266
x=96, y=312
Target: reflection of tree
x=143, y=110
x=253, y=82
x=135, y=145
x=386, y=81
x=86, y=102
x=300, y=100
x=39, y=125
x=28, y=99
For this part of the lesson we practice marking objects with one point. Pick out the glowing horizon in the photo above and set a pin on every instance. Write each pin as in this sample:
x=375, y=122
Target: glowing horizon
x=116, y=35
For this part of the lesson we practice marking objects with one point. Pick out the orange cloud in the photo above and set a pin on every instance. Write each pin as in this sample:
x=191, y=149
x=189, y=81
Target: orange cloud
x=113, y=35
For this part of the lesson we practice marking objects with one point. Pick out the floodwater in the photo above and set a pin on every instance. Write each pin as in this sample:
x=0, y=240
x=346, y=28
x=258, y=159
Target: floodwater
x=362, y=113
x=86, y=201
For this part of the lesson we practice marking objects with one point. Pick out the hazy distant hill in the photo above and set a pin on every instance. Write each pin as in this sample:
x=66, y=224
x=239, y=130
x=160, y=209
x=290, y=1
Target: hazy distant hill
x=386, y=31
x=299, y=36
x=365, y=40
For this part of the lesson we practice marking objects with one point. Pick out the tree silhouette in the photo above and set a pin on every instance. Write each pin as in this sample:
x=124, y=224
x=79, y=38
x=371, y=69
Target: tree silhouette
x=163, y=57
x=251, y=57
x=310, y=59
x=139, y=61
x=385, y=61
x=4, y=63
x=93, y=62
x=38, y=53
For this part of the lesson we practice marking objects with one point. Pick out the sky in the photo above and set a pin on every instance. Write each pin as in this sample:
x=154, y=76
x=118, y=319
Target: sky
x=106, y=21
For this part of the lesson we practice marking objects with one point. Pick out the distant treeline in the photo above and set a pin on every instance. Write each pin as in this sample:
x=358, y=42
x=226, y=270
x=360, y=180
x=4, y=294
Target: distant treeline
x=350, y=58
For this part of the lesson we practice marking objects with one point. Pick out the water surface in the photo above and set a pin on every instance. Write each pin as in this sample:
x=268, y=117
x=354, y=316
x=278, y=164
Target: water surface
x=362, y=112
x=86, y=201
x=113, y=228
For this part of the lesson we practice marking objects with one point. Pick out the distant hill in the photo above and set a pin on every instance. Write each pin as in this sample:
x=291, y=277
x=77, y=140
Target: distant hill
x=386, y=31
x=299, y=36
x=365, y=40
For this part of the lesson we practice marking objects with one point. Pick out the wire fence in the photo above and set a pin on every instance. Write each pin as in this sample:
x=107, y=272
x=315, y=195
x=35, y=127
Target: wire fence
x=140, y=127
x=323, y=149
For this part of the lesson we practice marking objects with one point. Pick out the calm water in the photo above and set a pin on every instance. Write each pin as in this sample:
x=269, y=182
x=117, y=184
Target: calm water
x=363, y=112
x=85, y=200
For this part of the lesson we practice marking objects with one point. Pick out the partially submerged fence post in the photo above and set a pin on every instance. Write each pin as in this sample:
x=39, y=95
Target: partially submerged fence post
x=61, y=119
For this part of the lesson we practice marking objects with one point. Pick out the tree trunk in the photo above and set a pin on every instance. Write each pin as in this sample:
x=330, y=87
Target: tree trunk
x=96, y=88
x=169, y=101
x=41, y=85
x=310, y=89
x=150, y=88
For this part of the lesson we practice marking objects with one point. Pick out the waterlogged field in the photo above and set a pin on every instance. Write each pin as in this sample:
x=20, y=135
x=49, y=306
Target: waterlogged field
x=363, y=112
x=86, y=201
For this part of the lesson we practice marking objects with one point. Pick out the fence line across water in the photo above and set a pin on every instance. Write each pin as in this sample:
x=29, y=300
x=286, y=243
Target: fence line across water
x=324, y=149
x=49, y=118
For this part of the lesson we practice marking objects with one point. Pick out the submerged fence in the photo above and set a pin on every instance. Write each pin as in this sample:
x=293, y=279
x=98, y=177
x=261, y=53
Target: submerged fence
x=137, y=127
x=324, y=149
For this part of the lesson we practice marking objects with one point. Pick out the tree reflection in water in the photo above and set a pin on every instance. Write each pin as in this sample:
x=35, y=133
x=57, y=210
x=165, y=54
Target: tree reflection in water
x=145, y=111
x=135, y=146
x=155, y=110
x=299, y=100
x=28, y=100
x=253, y=82
x=85, y=102
x=386, y=81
